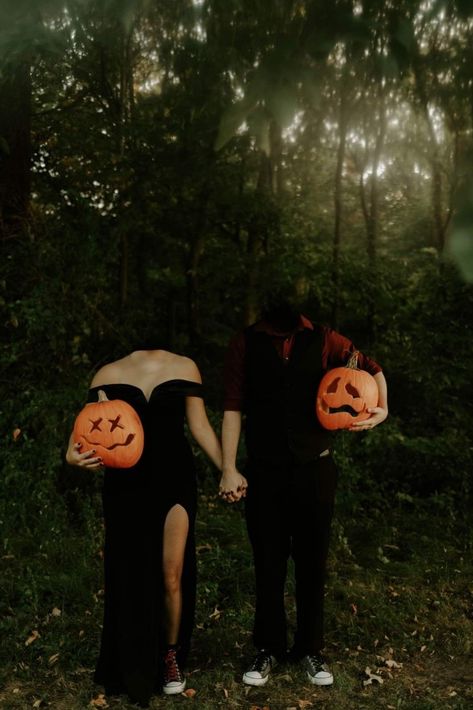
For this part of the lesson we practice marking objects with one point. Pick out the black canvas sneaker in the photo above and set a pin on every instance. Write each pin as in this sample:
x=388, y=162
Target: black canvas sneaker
x=260, y=668
x=317, y=670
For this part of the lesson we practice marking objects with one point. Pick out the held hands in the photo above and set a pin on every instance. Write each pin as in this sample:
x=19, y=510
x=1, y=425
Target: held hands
x=232, y=486
x=378, y=415
x=86, y=460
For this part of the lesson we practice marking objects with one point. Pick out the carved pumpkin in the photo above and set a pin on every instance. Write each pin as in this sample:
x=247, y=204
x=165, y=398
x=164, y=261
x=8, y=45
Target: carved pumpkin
x=344, y=395
x=113, y=429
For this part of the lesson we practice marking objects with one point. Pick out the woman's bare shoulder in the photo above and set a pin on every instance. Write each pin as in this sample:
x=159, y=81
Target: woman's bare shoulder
x=187, y=368
x=108, y=374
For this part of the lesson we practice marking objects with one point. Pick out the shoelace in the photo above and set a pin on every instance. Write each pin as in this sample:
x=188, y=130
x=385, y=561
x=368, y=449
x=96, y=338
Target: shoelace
x=261, y=661
x=172, y=673
x=316, y=664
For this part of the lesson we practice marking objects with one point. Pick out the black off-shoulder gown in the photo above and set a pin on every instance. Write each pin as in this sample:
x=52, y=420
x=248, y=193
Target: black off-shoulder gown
x=135, y=503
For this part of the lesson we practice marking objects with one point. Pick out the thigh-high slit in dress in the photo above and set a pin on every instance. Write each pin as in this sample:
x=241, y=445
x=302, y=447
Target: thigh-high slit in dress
x=136, y=502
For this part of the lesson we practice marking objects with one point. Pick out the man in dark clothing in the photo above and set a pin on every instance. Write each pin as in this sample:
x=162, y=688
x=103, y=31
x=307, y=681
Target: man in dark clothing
x=272, y=373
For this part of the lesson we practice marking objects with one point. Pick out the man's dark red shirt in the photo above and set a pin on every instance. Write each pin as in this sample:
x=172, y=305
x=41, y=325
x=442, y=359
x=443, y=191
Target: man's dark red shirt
x=336, y=351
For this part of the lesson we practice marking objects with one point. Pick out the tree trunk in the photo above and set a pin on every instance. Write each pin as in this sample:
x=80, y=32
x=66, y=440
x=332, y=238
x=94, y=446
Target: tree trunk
x=15, y=146
x=197, y=248
x=126, y=106
x=257, y=235
x=254, y=252
x=370, y=208
x=438, y=223
x=342, y=125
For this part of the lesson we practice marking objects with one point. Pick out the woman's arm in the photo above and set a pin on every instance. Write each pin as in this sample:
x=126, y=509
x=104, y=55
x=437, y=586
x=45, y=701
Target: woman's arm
x=202, y=431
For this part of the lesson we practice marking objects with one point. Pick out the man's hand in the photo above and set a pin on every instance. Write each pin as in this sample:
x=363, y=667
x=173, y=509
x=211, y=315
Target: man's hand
x=378, y=415
x=232, y=486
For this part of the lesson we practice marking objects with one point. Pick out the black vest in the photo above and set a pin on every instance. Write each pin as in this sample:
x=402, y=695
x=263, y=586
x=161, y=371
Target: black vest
x=281, y=423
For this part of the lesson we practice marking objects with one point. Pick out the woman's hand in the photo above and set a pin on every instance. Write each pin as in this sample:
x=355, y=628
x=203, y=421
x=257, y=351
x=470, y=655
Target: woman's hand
x=378, y=415
x=86, y=459
x=232, y=486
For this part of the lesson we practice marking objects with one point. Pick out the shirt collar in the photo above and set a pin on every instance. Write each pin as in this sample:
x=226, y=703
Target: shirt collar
x=263, y=326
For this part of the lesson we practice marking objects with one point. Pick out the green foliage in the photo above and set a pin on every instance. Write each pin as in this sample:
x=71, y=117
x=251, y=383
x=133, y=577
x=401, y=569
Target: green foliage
x=183, y=167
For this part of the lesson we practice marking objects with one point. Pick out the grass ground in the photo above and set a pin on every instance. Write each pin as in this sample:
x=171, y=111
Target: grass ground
x=399, y=617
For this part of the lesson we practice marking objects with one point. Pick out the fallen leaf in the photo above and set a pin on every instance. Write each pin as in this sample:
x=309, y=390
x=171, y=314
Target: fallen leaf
x=354, y=609
x=190, y=692
x=15, y=690
x=52, y=659
x=216, y=614
x=392, y=664
x=56, y=612
x=99, y=701
x=422, y=649
x=225, y=692
x=202, y=548
x=16, y=434
x=372, y=677
x=37, y=703
x=305, y=704
x=33, y=637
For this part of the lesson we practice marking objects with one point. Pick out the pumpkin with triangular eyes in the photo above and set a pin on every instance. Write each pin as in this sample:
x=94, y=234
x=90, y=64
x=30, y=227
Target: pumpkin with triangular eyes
x=344, y=395
x=113, y=428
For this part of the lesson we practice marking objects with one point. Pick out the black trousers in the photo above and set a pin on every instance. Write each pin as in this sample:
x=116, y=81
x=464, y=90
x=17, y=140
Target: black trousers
x=289, y=510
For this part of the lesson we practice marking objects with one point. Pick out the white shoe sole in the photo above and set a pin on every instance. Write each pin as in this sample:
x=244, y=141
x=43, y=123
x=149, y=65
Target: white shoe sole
x=320, y=681
x=174, y=689
x=248, y=680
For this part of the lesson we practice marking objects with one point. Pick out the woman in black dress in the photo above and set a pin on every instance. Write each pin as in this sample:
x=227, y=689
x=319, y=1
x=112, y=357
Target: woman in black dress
x=149, y=511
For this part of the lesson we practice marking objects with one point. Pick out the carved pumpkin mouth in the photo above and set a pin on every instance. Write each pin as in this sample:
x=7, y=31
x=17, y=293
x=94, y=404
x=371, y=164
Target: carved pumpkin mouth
x=336, y=410
x=127, y=442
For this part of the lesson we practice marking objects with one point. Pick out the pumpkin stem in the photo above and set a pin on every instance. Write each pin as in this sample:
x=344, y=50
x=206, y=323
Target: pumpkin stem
x=102, y=396
x=353, y=361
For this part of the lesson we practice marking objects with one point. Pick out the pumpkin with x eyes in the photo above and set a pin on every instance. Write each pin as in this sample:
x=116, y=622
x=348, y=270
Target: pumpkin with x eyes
x=344, y=396
x=113, y=429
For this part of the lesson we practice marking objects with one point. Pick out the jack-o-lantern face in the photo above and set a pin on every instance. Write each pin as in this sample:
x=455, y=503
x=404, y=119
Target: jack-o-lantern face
x=113, y=429
x=344, y=395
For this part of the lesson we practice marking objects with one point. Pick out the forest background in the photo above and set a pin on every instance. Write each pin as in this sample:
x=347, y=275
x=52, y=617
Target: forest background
x=163, y=167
